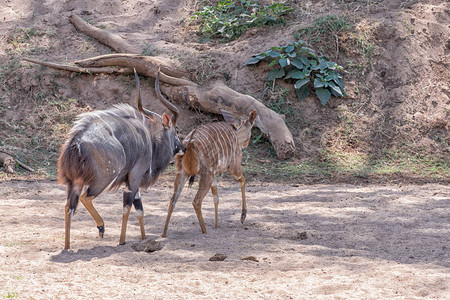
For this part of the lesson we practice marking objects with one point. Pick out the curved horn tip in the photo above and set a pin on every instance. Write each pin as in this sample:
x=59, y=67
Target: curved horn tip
x=136, y=74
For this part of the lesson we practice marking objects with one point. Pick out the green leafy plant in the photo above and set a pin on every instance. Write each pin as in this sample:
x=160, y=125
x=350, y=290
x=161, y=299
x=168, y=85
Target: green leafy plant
x=229, y=19
x=300, y=65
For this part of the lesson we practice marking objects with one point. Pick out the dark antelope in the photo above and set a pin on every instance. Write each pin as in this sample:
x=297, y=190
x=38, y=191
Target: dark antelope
x=212, y=149
x=108, y=148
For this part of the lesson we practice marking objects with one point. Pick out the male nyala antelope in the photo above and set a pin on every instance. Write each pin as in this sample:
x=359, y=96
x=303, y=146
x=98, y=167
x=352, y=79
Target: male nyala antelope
x=212, y=149
x=108, y=148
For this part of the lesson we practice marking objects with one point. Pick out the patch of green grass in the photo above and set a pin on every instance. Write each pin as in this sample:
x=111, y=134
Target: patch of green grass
x=326, y=27
x=404, y=162
x=287, y=171
x=333, y=164
x=278, y=101
x=334, y=34
x=17, y=277
x=149, y=50
x=11, y=66
x=24, y=40
x=341, y=162
x=11, y=295
x=324, y=32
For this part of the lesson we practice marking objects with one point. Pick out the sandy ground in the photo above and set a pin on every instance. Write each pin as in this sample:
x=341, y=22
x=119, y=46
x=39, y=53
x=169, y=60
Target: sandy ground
x=316, y=241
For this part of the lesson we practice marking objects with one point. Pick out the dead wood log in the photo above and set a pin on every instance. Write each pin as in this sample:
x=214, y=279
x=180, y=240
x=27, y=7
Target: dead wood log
x=217, y=96
x=8, y=162
x=111, y=40
x=209, y=98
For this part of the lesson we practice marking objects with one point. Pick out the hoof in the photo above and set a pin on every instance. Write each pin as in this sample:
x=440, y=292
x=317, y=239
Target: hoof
x=121, y=244
x=101, y=231
x=243, y=217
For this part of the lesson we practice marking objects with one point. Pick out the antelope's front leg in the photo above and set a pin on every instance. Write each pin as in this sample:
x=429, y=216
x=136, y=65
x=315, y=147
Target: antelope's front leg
x=180, y=181
x=128, y=199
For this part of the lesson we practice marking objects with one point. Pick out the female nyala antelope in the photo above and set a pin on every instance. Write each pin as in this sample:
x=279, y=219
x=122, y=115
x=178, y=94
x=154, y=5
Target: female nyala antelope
x=212, y=149
x=108, y=148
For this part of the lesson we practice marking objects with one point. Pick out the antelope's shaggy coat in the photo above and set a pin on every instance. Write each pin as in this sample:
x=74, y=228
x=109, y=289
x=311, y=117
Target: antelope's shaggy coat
x=104, y=146
x=108, y=148
x=214, y=146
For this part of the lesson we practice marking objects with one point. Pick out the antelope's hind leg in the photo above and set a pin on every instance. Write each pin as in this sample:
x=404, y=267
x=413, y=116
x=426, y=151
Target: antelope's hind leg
x=140, y=212
x=244, y=201
x=68, y=220
x=237, y=174
x=204, y=185
x=87, y=202
x=216, y=201
x=128, y=199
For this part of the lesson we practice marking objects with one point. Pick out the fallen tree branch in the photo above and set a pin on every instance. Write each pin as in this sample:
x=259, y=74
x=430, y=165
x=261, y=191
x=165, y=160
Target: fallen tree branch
x=211, y=98
x=148, y=65
x=109, y=70
x=21, y=164
x=113, y=41
x=8, y=161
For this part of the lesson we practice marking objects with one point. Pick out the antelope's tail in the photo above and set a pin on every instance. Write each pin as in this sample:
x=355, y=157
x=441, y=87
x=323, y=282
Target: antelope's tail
x=190, y=162
x=74, y=170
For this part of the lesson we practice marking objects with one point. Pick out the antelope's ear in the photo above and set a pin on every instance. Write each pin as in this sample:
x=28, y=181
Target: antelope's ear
x=252, y=117
x=230, y=119
x=166, y=120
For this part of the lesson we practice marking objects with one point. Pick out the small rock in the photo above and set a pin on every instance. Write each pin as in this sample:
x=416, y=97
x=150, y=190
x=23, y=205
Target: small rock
x=147, y=246
x=218, y=257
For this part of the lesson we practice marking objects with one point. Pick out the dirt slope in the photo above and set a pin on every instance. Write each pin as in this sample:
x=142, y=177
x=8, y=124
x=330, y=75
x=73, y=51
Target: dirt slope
x=396, y=59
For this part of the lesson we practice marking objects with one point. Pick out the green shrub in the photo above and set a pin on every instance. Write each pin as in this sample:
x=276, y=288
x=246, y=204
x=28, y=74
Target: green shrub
x=230, y=19
x=305, y=69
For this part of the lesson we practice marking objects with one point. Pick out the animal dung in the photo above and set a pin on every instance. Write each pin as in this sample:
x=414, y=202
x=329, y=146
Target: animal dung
x=218, y=257
x=252, y=258
x=148, y=246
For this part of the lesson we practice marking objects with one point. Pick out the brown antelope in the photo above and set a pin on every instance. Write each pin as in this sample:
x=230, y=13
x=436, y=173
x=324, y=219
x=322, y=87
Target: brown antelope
x=108, y=148
x=212, y=149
